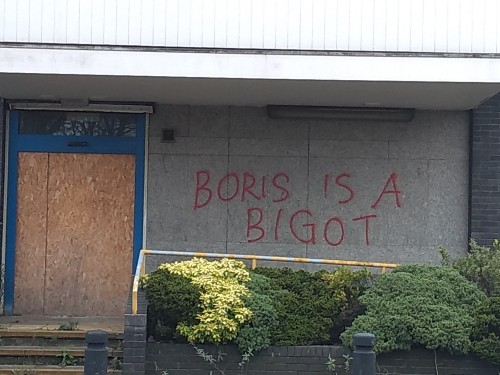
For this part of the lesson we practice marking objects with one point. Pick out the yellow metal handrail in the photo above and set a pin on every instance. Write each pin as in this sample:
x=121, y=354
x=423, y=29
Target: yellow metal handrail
x=141, y=264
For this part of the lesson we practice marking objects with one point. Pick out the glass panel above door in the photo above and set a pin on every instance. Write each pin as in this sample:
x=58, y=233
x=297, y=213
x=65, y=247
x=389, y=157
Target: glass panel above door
x=78, y=123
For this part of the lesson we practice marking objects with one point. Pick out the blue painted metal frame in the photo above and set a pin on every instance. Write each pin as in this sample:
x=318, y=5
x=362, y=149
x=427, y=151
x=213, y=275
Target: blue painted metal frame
x=47, y=143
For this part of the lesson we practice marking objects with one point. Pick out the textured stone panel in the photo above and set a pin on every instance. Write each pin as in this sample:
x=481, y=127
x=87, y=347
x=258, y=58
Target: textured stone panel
x=289, y=173
x=189, y=146
x=376, y=253
x=356, y=130
x=407, y=226
x=349, y=149
x=438, y=126
x=171, y=199
x=209, y=121
x=270, y=249
x=169, y=117
x=429, y=150
x=426, y=159
x=448, y=200
x=253, y=122
x=268, y=147
x=347, y=188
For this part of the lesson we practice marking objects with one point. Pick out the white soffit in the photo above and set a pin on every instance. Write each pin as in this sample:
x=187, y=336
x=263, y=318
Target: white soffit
x=249, y=66
x=247, y=78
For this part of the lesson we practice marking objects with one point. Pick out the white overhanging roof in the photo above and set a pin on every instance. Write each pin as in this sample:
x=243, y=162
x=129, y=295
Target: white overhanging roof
x=229, y=77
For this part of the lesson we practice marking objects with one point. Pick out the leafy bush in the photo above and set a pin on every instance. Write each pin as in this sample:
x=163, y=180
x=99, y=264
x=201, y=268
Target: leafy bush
x=313, y=308
x=222, y=286
x=481, y=266
x=419, y=304
x=173, y=299
x=220, y=302
x=304, y=306
x=219, y=310
x=255, y=335
x=486, y=333
x=347, y=286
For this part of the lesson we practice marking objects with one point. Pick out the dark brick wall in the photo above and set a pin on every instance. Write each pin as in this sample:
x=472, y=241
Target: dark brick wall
x=422, y=361
x=485, y=172
x=134, y=344
x=135, y=335
x=2, y=157
x=178, y=359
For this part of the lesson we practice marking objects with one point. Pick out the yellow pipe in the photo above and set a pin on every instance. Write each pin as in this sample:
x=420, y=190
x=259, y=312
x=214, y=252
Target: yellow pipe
x=134, y=301
x=143, y=266
x=254, y=263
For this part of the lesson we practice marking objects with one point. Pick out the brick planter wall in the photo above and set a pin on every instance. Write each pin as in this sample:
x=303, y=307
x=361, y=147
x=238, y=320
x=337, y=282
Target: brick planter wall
x=423, y=361
x=135, y=336
x=179, y=359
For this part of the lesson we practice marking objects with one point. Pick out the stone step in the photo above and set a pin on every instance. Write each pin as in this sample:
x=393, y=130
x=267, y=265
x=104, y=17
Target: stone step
x=53, y=334
x=34, y=349
x=37, y=356
x=41, y=351
x=46, y=370
x=50, y=342
x=40, y=345
x=61, y=339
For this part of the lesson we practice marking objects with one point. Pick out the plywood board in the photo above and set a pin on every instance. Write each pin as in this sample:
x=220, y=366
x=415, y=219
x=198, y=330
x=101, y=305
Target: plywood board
x=89, y=233
x=31, y=231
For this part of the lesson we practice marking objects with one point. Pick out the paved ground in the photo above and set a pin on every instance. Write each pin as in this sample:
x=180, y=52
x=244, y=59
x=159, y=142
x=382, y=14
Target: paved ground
x=113, y=324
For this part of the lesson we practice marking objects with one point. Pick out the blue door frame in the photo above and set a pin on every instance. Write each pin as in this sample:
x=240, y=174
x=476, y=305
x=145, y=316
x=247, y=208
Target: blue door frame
x=54, y=143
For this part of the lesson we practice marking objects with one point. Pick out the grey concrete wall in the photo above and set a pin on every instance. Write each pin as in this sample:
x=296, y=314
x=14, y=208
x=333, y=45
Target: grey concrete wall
x=419, y=170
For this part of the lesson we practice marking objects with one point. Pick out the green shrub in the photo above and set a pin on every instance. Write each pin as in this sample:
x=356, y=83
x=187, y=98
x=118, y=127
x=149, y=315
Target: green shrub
x=486, y=332
x=418, y=305
x=172, y=300
x=255, y=335
x=221, y=301
x=481, y=266
x=347, y=285
x=313, y=308
x=304, y=306
x=222, y=286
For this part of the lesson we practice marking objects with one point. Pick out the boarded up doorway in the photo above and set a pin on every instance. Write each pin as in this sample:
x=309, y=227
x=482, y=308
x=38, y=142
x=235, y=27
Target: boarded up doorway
x=74, y=233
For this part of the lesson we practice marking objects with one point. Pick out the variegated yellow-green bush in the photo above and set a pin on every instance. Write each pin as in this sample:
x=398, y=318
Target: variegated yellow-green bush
x=222, y=286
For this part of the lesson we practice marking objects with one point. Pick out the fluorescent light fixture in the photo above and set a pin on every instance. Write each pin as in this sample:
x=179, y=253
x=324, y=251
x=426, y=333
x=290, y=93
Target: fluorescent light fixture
x=341, y=113
x=80, y=106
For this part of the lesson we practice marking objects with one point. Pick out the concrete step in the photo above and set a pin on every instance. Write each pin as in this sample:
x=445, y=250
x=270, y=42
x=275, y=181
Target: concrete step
x=40, y=348
x=50, y=342
x=46, y=370
x=42, y=351
x=53, y=334
x=38, y=345
x=61, y=339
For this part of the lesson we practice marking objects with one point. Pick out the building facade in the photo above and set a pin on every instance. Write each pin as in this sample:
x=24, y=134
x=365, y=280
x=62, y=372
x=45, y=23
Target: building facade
x=361, y=130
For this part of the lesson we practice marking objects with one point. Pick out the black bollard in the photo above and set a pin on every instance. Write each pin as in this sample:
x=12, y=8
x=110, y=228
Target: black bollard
x=363, y=356
x=96, y=354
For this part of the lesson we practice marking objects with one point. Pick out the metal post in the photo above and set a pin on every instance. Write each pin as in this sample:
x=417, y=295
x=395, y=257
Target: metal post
x=96, y=354
x=363, y=356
